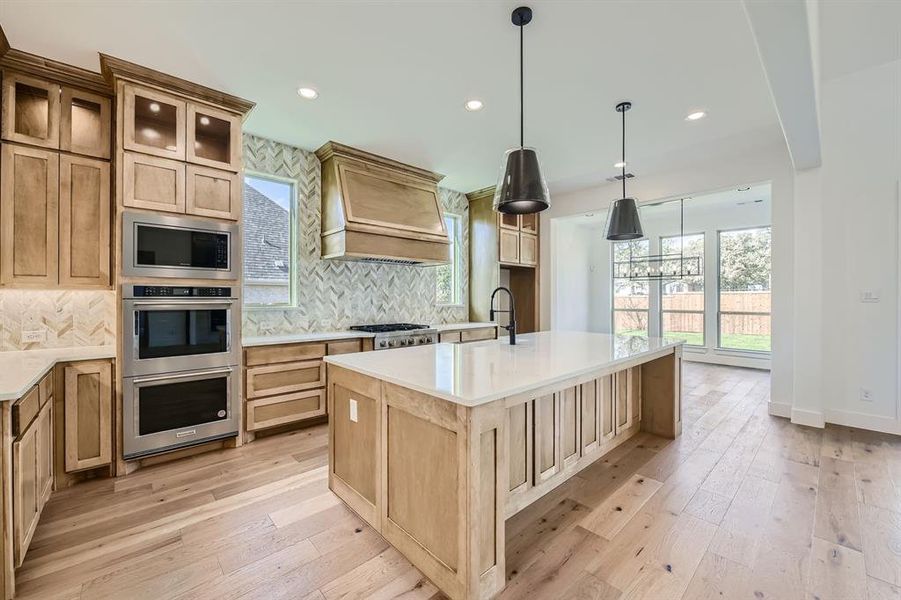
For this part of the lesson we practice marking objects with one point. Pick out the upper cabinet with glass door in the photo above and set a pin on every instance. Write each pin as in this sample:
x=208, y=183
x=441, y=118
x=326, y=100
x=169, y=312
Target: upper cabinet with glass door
x=154, y=122
x=30, y=111
x=214, y=137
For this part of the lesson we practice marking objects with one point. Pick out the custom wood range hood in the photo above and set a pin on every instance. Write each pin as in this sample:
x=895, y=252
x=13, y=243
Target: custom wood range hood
x=375, y=209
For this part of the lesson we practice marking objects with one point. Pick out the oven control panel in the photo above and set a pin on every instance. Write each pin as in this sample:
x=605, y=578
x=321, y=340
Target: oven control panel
x=171, y=291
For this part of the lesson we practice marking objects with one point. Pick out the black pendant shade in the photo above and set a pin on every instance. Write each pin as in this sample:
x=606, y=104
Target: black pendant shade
x=521, y=188
x=624, y=223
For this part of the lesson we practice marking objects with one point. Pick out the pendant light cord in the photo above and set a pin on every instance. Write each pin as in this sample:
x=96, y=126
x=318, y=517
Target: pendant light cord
x=521, y=92
x=624, y=153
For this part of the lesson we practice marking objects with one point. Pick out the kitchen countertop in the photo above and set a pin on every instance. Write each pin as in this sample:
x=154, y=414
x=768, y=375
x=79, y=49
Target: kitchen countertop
x=480, y=372
x=20, y=370
x=325, y=336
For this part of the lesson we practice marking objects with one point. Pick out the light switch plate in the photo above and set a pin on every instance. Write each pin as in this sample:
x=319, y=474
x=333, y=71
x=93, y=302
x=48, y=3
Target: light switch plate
x=353, y=410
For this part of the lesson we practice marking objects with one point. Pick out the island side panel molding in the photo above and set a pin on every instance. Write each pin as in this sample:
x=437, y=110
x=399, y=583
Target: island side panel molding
x=661, y=395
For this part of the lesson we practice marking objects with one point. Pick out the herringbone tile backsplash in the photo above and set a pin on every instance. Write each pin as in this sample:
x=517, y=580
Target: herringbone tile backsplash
x=67, y=318
x=336, y=294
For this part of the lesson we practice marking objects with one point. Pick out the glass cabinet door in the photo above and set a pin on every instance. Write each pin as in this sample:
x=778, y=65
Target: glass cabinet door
x=85, y=123
x=154, y=123
x=30, y=111
x=508, y=221
x=214, y=137
x=529, y=223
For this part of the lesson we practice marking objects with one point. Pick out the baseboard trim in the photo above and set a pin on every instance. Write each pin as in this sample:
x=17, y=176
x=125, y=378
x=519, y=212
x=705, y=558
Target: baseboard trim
x=810, y=418
x=725, y=359
x=780, y=409
x=863, y=421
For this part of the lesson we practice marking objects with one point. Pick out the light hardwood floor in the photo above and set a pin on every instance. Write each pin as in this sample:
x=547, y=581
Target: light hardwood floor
x=743, y=505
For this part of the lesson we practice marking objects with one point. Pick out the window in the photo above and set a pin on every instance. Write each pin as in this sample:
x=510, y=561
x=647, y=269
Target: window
x=269, y=247
x=447, y=277
x=682, y=300
x=630, y=298
x=744, y=289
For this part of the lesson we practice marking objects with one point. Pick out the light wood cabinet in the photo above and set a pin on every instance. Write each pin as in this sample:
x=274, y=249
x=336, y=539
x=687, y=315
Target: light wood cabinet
x=607, y=408
x=84, y=222
x=153, y=183
x=286, y=383
x=467, y=335
x=154, y=122
x=213, y=137
x=547, y=437
x=529, y=223
x=284, y=378
x=212, y=193
x=30, y=113
x=449, y=337
x=85, y=123
x=508, y=246
x=626, y=392
x=285, y=408
x=88, y=406
x=29, y=219
x=528, y=249
x=507, y=221
x=570, y=424
x=26, y=510
x=32, y=476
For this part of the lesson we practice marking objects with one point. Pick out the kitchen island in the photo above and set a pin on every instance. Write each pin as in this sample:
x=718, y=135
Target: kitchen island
x=436, y=446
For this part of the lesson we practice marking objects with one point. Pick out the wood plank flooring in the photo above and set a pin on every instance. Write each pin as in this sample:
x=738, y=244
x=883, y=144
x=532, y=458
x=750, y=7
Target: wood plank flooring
x=743, y=505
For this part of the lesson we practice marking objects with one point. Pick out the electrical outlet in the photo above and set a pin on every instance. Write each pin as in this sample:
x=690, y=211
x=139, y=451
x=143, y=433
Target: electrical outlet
x=866, y=395
x=353, y=410
x=33, y=335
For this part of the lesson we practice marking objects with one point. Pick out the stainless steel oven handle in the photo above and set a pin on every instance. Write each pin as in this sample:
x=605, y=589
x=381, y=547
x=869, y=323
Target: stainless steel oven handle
x=223, y=371
x=161, y=302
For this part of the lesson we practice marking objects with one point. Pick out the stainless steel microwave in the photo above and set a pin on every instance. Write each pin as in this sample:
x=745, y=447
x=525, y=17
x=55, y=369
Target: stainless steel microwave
x=176, y=246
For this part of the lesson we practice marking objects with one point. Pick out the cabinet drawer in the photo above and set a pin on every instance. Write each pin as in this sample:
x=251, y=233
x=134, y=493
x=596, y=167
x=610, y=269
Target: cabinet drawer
x=285, y=408
x=25, y=410
x=344, y=347
x=451, y=337
x=474, y=335
x=266, y=355
x=45, y=388
x=284, y=378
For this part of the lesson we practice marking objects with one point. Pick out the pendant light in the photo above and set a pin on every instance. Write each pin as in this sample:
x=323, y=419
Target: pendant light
x=623, y=222
x=521, y=188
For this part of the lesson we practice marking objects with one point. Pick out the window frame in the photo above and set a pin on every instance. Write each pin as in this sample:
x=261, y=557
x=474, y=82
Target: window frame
x=456, y=264
x=293, y=215
x=703, y=277
x=613, y=309
x=719, y=288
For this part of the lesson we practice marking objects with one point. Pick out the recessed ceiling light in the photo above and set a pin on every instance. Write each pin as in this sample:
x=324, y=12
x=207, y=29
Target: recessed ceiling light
x=308, y=93
x=204, y=120
x=474, y=105
x=619, y=165
x=700, y=114
x=154, y=107
x=744, y=189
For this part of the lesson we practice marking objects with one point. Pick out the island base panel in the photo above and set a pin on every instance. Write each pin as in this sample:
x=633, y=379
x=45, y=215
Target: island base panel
x=438, y=479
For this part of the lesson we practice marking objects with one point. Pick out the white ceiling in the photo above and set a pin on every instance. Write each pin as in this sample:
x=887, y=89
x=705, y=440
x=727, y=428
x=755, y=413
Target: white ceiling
x=858, y=35
x=393, y=76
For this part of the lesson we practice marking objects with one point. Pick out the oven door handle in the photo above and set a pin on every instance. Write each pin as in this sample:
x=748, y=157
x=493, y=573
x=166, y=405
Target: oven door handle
x=225, y=303
x=139, y=380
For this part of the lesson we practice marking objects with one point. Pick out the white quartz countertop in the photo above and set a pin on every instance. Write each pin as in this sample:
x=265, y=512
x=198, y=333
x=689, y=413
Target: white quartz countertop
x=20, y=370
x=476, y=373
x=310, y=336
x=325, y=336
x=459, y=326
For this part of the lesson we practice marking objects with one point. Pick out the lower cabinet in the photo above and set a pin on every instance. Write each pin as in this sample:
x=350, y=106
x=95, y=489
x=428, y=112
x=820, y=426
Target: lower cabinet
x=551, y=434
x=467, y=335
x=88, y=405
x=32, y=473
x=286, y=383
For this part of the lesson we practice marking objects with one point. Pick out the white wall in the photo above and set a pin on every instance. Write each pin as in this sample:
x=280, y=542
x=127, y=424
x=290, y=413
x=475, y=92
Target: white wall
x=572, y=283
x=859, y=219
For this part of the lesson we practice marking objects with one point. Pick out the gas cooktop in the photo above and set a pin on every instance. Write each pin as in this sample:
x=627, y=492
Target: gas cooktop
x=388, y=327
x=398, y=335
